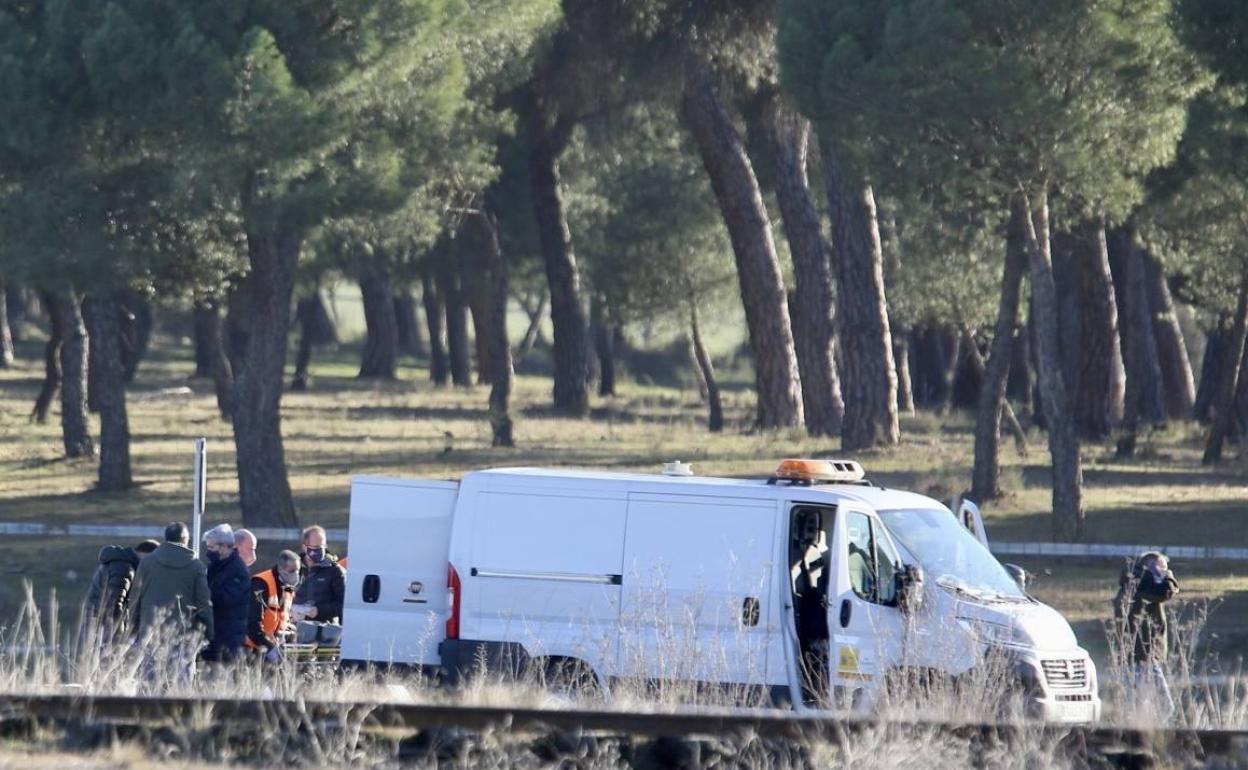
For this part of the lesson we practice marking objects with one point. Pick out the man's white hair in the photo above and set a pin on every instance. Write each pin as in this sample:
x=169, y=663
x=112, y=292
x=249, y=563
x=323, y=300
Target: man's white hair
x=220, y=534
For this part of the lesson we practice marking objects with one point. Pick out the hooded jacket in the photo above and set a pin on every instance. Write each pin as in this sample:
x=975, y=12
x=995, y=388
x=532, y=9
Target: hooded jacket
x=229, y=584
x=111, y=583
x=171, y=580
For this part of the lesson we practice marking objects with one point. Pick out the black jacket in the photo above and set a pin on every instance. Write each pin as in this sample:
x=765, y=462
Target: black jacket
x=323, y=586
x=230, y=585
x=1140, y=607
x=110, y=585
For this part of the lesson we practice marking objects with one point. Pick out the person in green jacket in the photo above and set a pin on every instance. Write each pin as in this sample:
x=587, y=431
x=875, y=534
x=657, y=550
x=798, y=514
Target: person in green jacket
x=169, y=598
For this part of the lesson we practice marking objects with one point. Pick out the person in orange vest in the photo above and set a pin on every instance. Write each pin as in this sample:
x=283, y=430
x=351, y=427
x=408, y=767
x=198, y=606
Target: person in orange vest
x=274, y=590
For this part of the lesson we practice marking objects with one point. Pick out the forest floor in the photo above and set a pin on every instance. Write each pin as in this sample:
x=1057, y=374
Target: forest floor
x=344, y=427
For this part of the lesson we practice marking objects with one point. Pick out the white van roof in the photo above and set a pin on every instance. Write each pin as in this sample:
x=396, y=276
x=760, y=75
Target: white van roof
x=879, y=498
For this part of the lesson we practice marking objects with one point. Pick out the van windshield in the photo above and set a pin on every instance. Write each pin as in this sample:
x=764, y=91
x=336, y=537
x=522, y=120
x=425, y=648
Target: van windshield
x=950, y=555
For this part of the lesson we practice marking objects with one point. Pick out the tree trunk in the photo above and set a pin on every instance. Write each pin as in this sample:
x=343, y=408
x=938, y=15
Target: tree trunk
x=949, y=375
x=811, y=303
x=604, y=344
x=6, y=334
x=905, y=388
x=534, y=329
x=209, y=334
x=1178, y=385
x=264, y=489
x=986, y=472
x=202, y=319
x=136, y=331
x=75, y=425
x=458, y=349
x=1230, y=370
x=706, y=374
x=305, y=311
x=411, y=340
x=1101, y=380
x=777, y=382
x=567, y=312
x=491, y=278
x=103, y=316
x=51, y=362
x=17, y=311
x=381, y=342
x=1138, y=330
x=476, y=290
x=1068, y=513
x=439, y=366
x=238, y=323
x=1216, y=340
x=870, y=380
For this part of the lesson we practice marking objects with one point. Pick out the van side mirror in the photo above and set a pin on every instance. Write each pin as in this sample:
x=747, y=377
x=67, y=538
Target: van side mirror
x=909, y=583
x=1019, y=574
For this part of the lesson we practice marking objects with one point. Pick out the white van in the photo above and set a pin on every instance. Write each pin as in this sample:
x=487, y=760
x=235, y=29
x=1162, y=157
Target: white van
x=812, y=586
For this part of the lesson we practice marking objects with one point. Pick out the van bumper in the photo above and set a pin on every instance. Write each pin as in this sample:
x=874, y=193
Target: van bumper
x=1052, y=696
x=463, y=658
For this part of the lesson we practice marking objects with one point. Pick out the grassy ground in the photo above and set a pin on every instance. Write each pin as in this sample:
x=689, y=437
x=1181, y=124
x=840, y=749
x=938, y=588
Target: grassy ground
x=344, y=427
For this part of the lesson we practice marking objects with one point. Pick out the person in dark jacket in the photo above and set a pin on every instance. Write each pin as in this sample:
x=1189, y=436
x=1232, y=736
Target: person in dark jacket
x=324, y=582
x=1144, y=587
x=170, y=597
x=171, y=582
x=230, y=585
x=109, y=592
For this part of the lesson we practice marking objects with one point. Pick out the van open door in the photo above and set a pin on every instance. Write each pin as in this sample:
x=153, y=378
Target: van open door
x=973, y=520
x=868, y=631
x=395, y=605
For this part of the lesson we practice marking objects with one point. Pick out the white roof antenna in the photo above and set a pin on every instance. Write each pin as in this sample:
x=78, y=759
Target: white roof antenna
x=677, y=468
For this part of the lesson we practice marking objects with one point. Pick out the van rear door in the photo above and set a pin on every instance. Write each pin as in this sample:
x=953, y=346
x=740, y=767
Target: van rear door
x=399, y=535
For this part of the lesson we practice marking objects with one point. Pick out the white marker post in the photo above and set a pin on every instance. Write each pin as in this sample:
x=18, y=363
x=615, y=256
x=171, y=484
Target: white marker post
x=201, y=489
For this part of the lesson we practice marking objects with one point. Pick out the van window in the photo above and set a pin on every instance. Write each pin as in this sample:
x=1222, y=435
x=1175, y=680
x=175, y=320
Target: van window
x=887, y=563
x=860, y=559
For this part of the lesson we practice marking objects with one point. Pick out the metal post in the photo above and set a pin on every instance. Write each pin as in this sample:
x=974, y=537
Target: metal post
x=201, y=489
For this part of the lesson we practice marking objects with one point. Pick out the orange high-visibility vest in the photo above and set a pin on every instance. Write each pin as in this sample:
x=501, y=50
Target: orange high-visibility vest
x=276, y=606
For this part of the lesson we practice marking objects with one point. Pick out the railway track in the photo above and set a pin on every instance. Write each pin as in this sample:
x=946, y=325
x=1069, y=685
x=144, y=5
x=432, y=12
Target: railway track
x=233, y=715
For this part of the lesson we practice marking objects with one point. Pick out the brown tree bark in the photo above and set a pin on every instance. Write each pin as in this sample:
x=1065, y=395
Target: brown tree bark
x=51, y=362
x=870, y=376
x=567, y=311
x=102, y=313
x=1230, y=371
x=439, y=365
x=811, y=303
x=1178, y=384
x=706, y=374
x=1143, y=373
x=238, y=324
x=604, y=344
x=477, y=292
x=411, y=339
x=1068, y=513
x=1216, y=339
x=901, y=357
x=75, y=426
x=1101, y=378
x=986, y=471
x=264, y=488
x=6, y=333
x=491, y=277
x=534, y=330
x=381, y=341
x=136, y=331
x=459, y=351
x=209, y=333
x=776, y=377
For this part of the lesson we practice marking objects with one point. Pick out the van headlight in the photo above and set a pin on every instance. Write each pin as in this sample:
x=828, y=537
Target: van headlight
x=996, y=633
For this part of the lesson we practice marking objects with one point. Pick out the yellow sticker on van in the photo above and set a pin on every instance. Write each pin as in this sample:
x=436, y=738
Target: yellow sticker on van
x=848, y=658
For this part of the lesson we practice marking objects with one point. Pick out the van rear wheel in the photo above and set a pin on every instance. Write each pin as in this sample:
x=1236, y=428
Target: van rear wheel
x=570, y=676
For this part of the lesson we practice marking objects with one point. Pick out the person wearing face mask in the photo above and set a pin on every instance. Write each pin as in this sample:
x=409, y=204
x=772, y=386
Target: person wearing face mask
x=323, y=583
x=230, y=584
x=273, y=592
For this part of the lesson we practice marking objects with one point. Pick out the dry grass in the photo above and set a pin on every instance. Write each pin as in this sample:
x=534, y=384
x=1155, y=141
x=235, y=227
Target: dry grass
x=345, y=427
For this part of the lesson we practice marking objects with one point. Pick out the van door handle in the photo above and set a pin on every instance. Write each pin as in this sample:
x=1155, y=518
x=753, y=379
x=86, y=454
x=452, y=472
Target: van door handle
x=846, y=608
x=372, y=589
x=750, y=612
